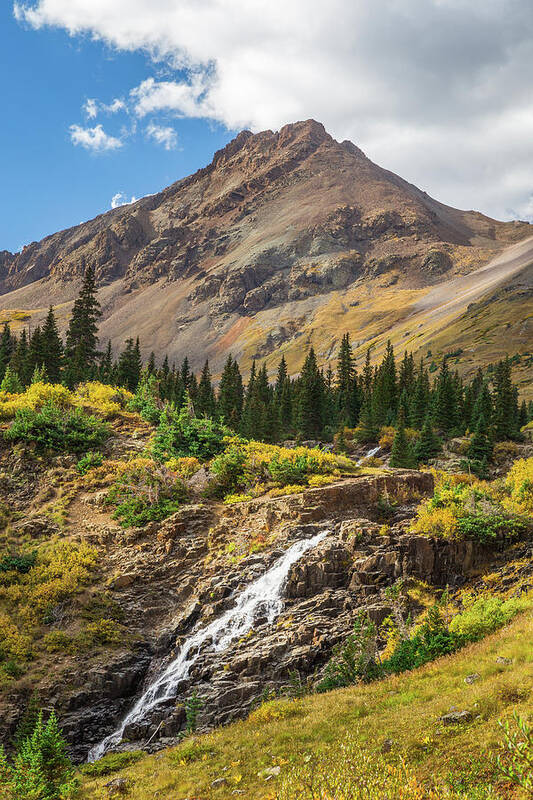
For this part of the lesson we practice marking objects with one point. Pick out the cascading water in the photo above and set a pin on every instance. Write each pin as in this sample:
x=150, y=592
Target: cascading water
x=370, y=453
x=262, y=598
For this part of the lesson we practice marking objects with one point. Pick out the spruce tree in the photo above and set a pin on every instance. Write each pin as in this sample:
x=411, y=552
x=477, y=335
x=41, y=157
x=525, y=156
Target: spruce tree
x=205, y=401
x=428, y=445
x=7, y=347
x=230, y=395
x=367, y=431
x=130, y=366
x=401, y=455
x=52, y=348
x=444, y=411
x=480, y=447
x=309, y=421
x=20, y=359
x=506, y=423
x=81, y=348
x=345, y=380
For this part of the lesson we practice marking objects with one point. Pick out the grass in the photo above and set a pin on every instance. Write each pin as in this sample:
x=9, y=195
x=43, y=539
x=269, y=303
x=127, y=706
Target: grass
x=405, y=709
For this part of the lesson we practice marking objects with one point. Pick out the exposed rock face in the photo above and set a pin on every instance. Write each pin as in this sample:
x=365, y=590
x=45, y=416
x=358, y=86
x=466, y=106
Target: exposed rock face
x=172, y=578
x=276, y=219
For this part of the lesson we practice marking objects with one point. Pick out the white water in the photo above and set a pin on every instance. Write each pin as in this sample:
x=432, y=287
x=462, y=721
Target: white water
x=368, y=455
x=261, y=598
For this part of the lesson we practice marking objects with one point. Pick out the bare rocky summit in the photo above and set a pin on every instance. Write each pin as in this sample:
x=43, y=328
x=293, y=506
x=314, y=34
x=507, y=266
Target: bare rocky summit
x=256, y=249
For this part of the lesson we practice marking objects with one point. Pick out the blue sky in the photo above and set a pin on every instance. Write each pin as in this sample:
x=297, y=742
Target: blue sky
x=48, y=183
x=439, y=91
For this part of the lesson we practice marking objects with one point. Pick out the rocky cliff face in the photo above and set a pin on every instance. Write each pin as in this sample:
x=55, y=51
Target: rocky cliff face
x=247, y=252
x=169, y=579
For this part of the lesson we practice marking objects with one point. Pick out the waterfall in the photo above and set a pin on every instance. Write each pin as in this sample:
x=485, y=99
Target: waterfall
x=370, y=453
x=262, y=598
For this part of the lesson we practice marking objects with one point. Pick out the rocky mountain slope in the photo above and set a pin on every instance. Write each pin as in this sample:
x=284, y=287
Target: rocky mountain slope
x=285, y=238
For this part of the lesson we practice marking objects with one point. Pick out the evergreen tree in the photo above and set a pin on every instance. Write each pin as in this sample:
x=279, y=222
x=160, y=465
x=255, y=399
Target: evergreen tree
x=401, y=455
x=20, y=359
x=35, y=351
x=522, y=414
x=345, y=380
x=421, y=397
x=52, y=348
x=130, y=365
x=444, y=411
x=480, y=447
x=368, y=431
x=10, y=382
x=106, y=365
x=81, y=349
x=309, y=420
x=230, y=395
x=506, y=423
x=205, y=401
x=151, y=364
x=7, y=347
x=428, y=445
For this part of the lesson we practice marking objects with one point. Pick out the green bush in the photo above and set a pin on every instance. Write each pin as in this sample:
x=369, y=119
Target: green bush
x=431, y=640
x=89, y=461
x=57, y=430
x=487, y=527
x=146, y=401
x=179, y=435
x=145, y=492
x=287, y=472
x=483, y=615
x=228, y=467
x=19, y=563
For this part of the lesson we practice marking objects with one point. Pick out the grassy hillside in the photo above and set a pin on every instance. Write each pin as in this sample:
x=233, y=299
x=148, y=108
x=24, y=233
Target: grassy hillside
x=404, y=709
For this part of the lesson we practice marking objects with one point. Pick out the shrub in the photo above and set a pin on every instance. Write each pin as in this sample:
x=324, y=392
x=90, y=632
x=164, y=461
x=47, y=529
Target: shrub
x=427, y=642
x=519, y=485
x=144, y=492
x=19, y=563
x=111, y=762
x=185, y=467
x=146, y=399
x=485, y=613
x=228, y=468
x=275, y=709
x=354, y=660
x=89, y=461
x=179, y=435
x=40, y=394
x=102, y=399
x=57, y=430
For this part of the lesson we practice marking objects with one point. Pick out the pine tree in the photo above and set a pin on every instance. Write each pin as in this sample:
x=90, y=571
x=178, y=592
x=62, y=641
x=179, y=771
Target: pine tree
x=480, y=447
x=106, y=365
x=130, y=365
x=7, y=346
x=309, y=421
x=522, y=414
x=151, y=364
x=345, y=379
x=35, y=351
x=428, y=445
x=444, y=411
x=52, y=348
x=401, y=455
x=20, y=361
x=367, y=431
x=506, y=424
x=421, y=397
x=230, y=395
x=81, y=349
x=205, y=401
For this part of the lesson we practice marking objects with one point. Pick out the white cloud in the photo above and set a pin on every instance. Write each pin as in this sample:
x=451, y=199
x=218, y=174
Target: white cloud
x=120, y=199
x=437, y=90
x=94, y=139
x=91, y=108
x=163, y=135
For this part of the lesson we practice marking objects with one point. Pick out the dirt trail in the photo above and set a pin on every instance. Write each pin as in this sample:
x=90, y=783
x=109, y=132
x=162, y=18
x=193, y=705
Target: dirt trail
x=453, y=296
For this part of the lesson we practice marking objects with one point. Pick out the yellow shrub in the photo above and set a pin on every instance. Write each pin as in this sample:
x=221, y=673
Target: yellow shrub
x=275, y=709
x=102, y=399
x=184, y=467
x=13, y=644
x=291, y=488
x=435, y=521
x=39, y=394
x=388, y=432
x=519, y=484
x=321, y=480
x=10, y=404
